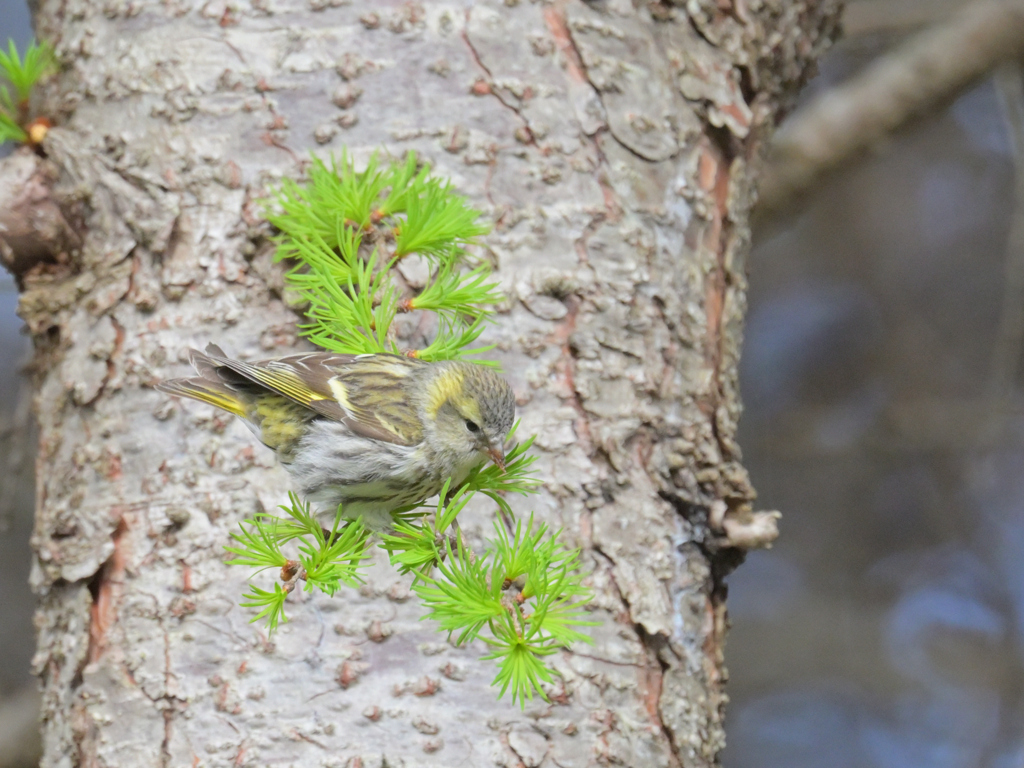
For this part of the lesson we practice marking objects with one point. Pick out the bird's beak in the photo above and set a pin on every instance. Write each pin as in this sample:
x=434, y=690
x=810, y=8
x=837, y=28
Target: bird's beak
x=498, y=457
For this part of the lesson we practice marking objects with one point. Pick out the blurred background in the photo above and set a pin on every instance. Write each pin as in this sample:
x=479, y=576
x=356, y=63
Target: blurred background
x=883, y=397
x=884, y=418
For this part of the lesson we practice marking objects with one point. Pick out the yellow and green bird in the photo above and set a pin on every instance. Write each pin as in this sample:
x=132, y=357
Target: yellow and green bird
x=369, y=432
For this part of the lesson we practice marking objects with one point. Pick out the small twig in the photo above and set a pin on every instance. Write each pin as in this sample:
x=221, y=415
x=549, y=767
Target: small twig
x=298, y=574
x=453, y=544
x=462, y=541
x=510, y=605
x=506, y=520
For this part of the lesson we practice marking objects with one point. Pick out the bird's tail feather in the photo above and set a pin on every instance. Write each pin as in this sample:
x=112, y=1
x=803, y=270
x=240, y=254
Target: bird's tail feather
x=206, y=365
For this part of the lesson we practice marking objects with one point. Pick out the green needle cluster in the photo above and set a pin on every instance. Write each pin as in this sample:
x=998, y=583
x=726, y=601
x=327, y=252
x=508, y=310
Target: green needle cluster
x=20, y=74
x=343, y=232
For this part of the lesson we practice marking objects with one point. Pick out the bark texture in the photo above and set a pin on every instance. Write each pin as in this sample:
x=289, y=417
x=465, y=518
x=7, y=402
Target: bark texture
x=612, y=145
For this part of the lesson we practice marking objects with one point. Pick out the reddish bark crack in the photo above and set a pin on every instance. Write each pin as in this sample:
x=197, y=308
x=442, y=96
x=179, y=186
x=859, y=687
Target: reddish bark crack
x=106, y=588
x=165, y=745
x=505, y=742
x=654, y=683
x=713, y=178
x=653, y=671
x=566, y=45
x=119, y=333
x=566, y=367
x=484, y=88
x=554, y=17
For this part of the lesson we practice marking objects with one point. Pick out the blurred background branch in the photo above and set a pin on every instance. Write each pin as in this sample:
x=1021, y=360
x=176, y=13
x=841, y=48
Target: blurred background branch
x=900, y=16
x=1009, y=342
x=921, y=75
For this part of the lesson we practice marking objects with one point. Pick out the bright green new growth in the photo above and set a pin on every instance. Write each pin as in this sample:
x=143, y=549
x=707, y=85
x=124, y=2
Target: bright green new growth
x=20, y=75
x=352, y=297
x=345, y=230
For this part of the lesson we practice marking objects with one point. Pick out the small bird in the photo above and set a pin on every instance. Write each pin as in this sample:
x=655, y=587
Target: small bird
x=371, y=432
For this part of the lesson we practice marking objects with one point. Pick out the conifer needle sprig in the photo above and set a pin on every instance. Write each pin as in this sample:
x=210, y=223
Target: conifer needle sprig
x=18, y=76
x=343, y=231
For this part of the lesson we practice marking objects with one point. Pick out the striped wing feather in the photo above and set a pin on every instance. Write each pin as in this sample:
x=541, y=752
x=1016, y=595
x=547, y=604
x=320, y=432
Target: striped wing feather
x=374, y=391
x=366, y=393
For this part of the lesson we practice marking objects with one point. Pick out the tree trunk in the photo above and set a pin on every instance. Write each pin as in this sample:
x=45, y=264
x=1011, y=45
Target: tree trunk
x=613, y=148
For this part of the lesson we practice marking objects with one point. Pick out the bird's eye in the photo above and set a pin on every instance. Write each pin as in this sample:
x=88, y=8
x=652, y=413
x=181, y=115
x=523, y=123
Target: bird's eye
x=472, y=426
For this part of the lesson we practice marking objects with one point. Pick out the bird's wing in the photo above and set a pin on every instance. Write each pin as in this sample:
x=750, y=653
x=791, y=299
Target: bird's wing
x=366, y=393
x=374, y=392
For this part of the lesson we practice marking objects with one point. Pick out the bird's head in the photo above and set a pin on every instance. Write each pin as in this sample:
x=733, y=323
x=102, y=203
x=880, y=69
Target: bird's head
x=471, y=409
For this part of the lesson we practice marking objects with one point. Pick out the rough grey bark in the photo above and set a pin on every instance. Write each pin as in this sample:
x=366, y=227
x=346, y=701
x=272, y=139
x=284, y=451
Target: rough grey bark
x=612, y=147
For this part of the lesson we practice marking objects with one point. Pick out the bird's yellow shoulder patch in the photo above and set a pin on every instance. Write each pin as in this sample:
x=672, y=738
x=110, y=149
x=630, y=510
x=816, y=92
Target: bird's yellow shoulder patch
x=340, y=394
